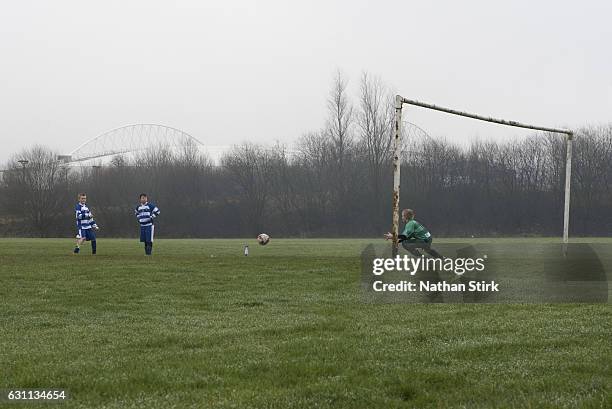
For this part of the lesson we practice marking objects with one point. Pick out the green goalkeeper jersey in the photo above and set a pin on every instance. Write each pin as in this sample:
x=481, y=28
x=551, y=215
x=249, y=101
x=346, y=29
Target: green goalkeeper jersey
x=416, y=230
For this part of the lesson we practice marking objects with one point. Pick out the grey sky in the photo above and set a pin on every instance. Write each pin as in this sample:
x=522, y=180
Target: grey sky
x=227, y=72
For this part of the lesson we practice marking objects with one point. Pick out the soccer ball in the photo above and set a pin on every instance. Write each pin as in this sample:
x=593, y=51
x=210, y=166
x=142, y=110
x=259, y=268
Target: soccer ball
x=263, y=239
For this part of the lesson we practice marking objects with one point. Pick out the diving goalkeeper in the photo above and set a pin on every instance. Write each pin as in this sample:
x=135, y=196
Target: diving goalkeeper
x=415, y=236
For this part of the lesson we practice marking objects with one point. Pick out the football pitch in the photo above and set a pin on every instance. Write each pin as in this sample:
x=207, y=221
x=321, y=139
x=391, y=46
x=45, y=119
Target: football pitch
x=200, y=325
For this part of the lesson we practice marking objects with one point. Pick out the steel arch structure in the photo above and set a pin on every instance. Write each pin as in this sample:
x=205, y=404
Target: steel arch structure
x=412, y=131
x=130, y=138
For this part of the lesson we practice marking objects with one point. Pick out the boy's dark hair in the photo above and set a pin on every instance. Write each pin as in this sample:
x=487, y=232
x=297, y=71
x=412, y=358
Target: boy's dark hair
x=143, y=195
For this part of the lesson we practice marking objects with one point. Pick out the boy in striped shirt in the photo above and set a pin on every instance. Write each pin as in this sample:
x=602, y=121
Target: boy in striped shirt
x=85, y=224
x=145, y=213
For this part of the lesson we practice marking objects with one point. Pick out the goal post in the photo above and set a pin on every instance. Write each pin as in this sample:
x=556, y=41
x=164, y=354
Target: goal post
x=397, y=135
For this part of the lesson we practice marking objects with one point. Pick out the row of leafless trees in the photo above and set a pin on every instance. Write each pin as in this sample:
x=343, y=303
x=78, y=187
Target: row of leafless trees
x=334, y=182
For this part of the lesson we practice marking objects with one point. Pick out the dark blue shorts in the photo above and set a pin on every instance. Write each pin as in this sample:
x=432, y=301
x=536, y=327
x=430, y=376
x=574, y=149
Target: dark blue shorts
x=147, y=233
x=87, y=234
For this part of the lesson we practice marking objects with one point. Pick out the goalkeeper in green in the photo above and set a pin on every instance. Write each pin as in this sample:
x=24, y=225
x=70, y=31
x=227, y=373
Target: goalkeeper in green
x=415, y=236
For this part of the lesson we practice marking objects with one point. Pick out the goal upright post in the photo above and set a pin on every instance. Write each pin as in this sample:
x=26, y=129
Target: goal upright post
x=397, y=129
x=568, y=183
x=397, y=149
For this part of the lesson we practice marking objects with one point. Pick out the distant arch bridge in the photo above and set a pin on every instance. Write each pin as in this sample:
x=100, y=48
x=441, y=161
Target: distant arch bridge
x=139, y=137
x=130, y=138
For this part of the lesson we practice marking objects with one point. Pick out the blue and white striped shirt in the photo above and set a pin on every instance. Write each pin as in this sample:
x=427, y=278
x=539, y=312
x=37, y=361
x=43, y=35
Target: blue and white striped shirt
x=84, y=218
x=146, y=213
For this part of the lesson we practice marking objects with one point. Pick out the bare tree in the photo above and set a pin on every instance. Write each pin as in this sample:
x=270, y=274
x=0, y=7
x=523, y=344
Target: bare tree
x=340, y=120
x=37, y=189
x=341, y=143
x=314, y=171
x=375, y=121
x=249, y=167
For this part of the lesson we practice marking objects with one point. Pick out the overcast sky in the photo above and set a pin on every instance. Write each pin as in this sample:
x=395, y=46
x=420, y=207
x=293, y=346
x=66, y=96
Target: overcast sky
x=228, y=72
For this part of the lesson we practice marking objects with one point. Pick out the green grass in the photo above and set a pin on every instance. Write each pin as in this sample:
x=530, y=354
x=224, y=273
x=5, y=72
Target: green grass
x=200, y=325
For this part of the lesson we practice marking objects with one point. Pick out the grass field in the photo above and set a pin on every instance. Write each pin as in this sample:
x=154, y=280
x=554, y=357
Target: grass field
x=199, y=325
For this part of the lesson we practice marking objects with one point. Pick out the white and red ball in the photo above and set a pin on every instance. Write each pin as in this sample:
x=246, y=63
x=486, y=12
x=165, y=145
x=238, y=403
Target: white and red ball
x=263, y=239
